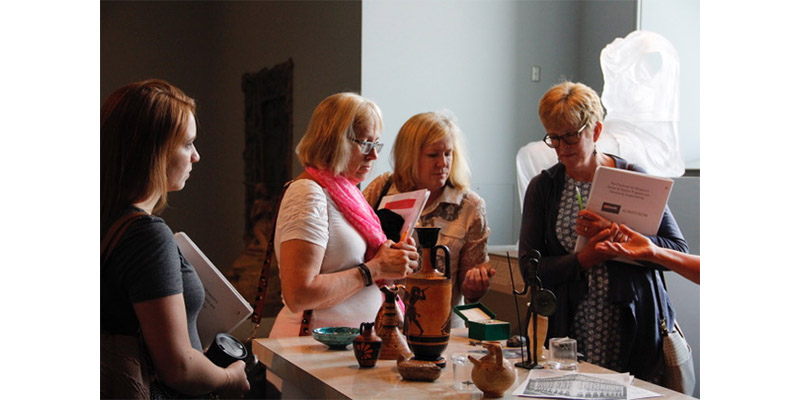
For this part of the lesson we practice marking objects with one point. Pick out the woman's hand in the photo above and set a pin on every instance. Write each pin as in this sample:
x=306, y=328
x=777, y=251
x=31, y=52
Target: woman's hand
x=633, y=244
x=476, y=282
x=589, y=223
x=589, y=256
x=237, y=385
x=394, y=260
x=177, y=364
x=639, y=247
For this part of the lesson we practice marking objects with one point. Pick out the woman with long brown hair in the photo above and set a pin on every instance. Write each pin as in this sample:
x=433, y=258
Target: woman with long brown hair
x=147, y=134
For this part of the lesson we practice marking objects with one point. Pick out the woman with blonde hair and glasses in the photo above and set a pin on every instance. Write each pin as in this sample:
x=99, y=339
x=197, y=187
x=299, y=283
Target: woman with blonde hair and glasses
x=607, y=305
x=428, y=153
x=328, y=240
x=147, y=288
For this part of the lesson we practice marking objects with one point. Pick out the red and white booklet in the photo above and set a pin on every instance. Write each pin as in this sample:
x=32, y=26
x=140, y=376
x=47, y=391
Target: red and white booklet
x=408, y=205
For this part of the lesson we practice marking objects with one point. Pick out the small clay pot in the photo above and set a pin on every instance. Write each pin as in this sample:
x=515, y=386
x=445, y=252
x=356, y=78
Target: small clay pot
x=367, y=345
x=492, y=374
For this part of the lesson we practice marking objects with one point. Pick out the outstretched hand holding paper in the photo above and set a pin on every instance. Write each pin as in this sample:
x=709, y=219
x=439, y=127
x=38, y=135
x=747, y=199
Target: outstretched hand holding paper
x=626, y=197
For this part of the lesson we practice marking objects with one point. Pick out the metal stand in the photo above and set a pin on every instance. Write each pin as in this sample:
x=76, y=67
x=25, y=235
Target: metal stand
x=527, y=363
x=531, y=262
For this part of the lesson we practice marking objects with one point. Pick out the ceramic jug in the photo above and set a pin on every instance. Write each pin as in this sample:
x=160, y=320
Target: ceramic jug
x=394, y=343
x=390, y=298
x=367, y=345
x=492, y=374
x=427, y=301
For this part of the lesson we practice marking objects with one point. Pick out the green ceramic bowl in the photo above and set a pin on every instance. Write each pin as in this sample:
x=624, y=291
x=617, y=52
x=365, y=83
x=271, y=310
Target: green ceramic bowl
x=337, y=338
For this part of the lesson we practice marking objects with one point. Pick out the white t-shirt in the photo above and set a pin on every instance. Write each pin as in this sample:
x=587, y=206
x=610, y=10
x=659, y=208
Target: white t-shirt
x=307, y=212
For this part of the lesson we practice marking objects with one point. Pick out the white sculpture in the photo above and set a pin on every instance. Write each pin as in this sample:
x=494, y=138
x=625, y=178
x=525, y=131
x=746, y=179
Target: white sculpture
x=640, y=95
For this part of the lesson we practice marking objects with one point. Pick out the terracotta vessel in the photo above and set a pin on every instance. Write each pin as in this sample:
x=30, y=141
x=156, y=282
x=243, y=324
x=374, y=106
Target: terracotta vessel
x=394, y=343
x=367, y=345
x=390, y=297
x=492, y=374
x=427, y=301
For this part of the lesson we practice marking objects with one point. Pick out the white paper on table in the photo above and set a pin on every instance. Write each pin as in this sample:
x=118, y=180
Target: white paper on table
x=583, y=386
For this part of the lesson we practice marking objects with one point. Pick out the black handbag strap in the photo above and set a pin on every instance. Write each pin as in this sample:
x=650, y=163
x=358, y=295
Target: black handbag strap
x=263, y=281
x=115, y=233
x=662, y=308
x=384, y=190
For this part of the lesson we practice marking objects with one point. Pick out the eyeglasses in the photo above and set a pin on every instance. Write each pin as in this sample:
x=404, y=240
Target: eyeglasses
x=571, y=138
x=367, y=146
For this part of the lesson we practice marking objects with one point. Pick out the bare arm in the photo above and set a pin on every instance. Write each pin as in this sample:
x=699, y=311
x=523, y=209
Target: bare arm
x=686, y=265
x=304, y=288
x=639, y=247
x=177, y=363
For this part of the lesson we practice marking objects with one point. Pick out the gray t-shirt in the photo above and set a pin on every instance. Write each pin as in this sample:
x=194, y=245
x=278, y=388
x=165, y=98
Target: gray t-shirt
x=146, y=265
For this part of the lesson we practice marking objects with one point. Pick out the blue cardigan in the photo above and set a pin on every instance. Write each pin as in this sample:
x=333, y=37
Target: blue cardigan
x=631, y=287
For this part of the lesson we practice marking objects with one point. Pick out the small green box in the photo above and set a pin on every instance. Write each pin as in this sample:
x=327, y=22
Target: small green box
x=481, y=322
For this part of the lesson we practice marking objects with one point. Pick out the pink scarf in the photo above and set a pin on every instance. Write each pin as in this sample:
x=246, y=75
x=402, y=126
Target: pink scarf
x=354, y=206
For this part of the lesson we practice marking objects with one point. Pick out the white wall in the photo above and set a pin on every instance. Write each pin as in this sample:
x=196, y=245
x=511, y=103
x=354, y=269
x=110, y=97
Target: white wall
x=428, y=56
x=475, y=57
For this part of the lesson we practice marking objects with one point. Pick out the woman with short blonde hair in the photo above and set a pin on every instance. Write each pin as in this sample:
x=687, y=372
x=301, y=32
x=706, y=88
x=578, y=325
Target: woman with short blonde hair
x=329, y=244
x=336, y=119
x=573, y=103
x=606, y=304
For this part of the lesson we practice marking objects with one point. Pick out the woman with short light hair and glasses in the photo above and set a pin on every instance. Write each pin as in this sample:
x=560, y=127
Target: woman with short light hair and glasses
x=607, y=305
x=328, y=240
x=429, y=153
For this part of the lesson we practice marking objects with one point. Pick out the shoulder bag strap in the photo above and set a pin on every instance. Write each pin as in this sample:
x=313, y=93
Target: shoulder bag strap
x=263, y=281
x=662, y=317
x=384, y=190
x=115, y=233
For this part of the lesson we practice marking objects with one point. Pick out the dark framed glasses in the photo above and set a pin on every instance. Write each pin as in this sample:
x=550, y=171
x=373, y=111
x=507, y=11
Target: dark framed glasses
x=570, y=138
x=367, y=146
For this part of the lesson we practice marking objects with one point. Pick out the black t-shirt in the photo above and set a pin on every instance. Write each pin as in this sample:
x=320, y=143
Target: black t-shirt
x=146, y=265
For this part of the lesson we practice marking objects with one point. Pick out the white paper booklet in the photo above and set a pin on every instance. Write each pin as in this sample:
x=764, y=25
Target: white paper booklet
x=224, y=308
x=626, y=197
x=408, y=205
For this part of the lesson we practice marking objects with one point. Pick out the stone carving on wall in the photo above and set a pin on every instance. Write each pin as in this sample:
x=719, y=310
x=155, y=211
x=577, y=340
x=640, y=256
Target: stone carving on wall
x=268, y=157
